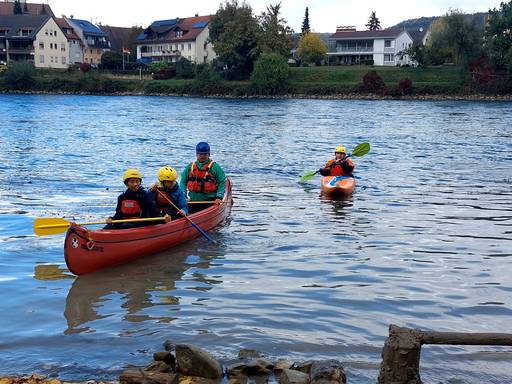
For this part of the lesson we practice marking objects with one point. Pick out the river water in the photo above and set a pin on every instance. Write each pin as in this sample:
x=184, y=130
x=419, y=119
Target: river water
x=425, y=242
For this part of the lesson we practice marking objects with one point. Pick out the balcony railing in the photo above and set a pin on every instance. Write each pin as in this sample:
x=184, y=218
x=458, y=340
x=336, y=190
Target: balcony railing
x=351, y=50
x=95, y=43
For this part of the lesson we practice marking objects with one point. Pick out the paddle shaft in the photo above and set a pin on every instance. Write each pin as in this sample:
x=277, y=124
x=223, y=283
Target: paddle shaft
x=98, y=222
x=210, y=202
x=186, y=217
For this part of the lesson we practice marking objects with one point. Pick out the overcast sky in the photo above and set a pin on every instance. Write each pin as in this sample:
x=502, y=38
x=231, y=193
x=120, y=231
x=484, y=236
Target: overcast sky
x=324, y=15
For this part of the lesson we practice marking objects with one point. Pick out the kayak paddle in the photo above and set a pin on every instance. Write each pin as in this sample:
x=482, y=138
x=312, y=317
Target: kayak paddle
x=361, y=150
x=53, y=226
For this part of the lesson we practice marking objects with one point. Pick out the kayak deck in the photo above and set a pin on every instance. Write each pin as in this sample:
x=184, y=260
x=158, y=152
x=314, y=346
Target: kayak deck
x=338, y=185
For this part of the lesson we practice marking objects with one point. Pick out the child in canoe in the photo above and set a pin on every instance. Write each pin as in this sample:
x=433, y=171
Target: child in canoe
x=134, y=203
x=167, y=191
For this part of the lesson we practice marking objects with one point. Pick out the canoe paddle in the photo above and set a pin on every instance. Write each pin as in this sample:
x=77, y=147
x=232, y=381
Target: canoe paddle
x=361, y=150
x=186, y=217
x=53, y=226
x=211, y=202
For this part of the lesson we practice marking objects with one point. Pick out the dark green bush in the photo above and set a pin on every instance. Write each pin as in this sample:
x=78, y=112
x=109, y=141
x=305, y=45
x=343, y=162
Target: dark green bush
x=19, y=76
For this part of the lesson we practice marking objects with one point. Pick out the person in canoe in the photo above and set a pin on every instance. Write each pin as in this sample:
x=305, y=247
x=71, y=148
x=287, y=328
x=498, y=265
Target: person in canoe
x=134, y=203
x=167, y=191
x=339, y=166
x=204, y=179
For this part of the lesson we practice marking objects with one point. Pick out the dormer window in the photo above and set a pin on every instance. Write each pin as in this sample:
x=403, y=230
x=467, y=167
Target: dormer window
x=179, y=33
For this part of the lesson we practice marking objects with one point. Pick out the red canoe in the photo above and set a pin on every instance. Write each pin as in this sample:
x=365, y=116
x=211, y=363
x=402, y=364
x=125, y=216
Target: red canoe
x=87, y=251
x=338, y=185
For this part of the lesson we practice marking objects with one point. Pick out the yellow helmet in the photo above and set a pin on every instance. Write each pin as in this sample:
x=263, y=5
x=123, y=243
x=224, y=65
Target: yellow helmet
x=167, y=174
x=132, y=174
x=340, y=149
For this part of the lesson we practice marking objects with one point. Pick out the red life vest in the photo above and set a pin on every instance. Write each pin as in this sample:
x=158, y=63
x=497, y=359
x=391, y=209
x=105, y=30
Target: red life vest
x=200, y=180
x=162, y=204
x=130, y=209
x=337, y=170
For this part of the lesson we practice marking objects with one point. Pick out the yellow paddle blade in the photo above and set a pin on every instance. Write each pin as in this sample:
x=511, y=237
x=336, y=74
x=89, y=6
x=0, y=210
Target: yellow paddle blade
x=53, y=226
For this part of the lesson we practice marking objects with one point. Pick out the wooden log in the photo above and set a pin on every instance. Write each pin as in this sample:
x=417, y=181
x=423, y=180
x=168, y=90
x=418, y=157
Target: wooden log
x=134, y=376
x=454, y=338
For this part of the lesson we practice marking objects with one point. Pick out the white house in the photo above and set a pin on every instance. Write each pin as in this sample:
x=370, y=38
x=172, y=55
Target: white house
x=348, y=46
x=33, y=37
x=169, y=40
x=94, y=39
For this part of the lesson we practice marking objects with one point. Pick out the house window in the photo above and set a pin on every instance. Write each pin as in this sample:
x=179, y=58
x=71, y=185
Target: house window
x=387, y=43
x=51, y=45
x=176, y=47
x=41, y=45
x=205, y=46
x=205, y=58
x=189, y=46
x=179, y=33
x=63, y=47
x=388, y=57
x=182, y=47
x=51, y=59
x=99, y=51
x=3, y=32
x=41, y=58
x=46, y=31
x=63, y=60
x=25, y=32
x=77, y=55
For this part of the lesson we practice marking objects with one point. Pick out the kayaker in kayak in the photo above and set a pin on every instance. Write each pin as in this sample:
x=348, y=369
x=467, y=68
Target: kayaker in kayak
x=339, y=166
x=134, y=203
x=168, y=190
x=204, y=179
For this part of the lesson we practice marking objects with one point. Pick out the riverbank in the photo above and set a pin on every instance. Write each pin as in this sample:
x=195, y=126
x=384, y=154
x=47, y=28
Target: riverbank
x=350, y=96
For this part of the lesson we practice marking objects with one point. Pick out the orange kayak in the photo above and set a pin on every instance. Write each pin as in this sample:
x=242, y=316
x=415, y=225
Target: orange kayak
x=338, y=185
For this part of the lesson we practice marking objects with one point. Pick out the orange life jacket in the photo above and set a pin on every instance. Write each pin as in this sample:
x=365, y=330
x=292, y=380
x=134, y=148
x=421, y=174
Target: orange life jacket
x=162, y=204
x=200, y=180
x=336, y=170
x=130, y=209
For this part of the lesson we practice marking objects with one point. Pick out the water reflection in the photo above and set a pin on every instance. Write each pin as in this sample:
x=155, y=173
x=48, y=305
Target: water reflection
x=139, y=285
x=51, y=272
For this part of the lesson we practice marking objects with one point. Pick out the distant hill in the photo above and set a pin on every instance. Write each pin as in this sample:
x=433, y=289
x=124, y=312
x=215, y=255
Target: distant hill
x=424, y=22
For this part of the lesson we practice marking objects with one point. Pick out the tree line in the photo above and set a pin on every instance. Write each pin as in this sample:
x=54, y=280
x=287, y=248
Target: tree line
x=483, y=54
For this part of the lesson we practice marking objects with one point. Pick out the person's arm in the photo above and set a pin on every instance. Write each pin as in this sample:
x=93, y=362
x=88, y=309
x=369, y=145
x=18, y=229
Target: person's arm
x=182, y=202
x=220, y=176
x=347, y=166
x=326, y=171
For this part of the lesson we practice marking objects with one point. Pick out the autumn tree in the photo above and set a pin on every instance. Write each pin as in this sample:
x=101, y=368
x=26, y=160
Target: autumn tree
x=373, y=23
x=312, y=48
x=234, y=34
x=275, y=36
x=305, y=23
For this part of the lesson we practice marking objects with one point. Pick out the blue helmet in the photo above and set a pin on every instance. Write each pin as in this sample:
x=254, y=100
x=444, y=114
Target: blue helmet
x=202, y=147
